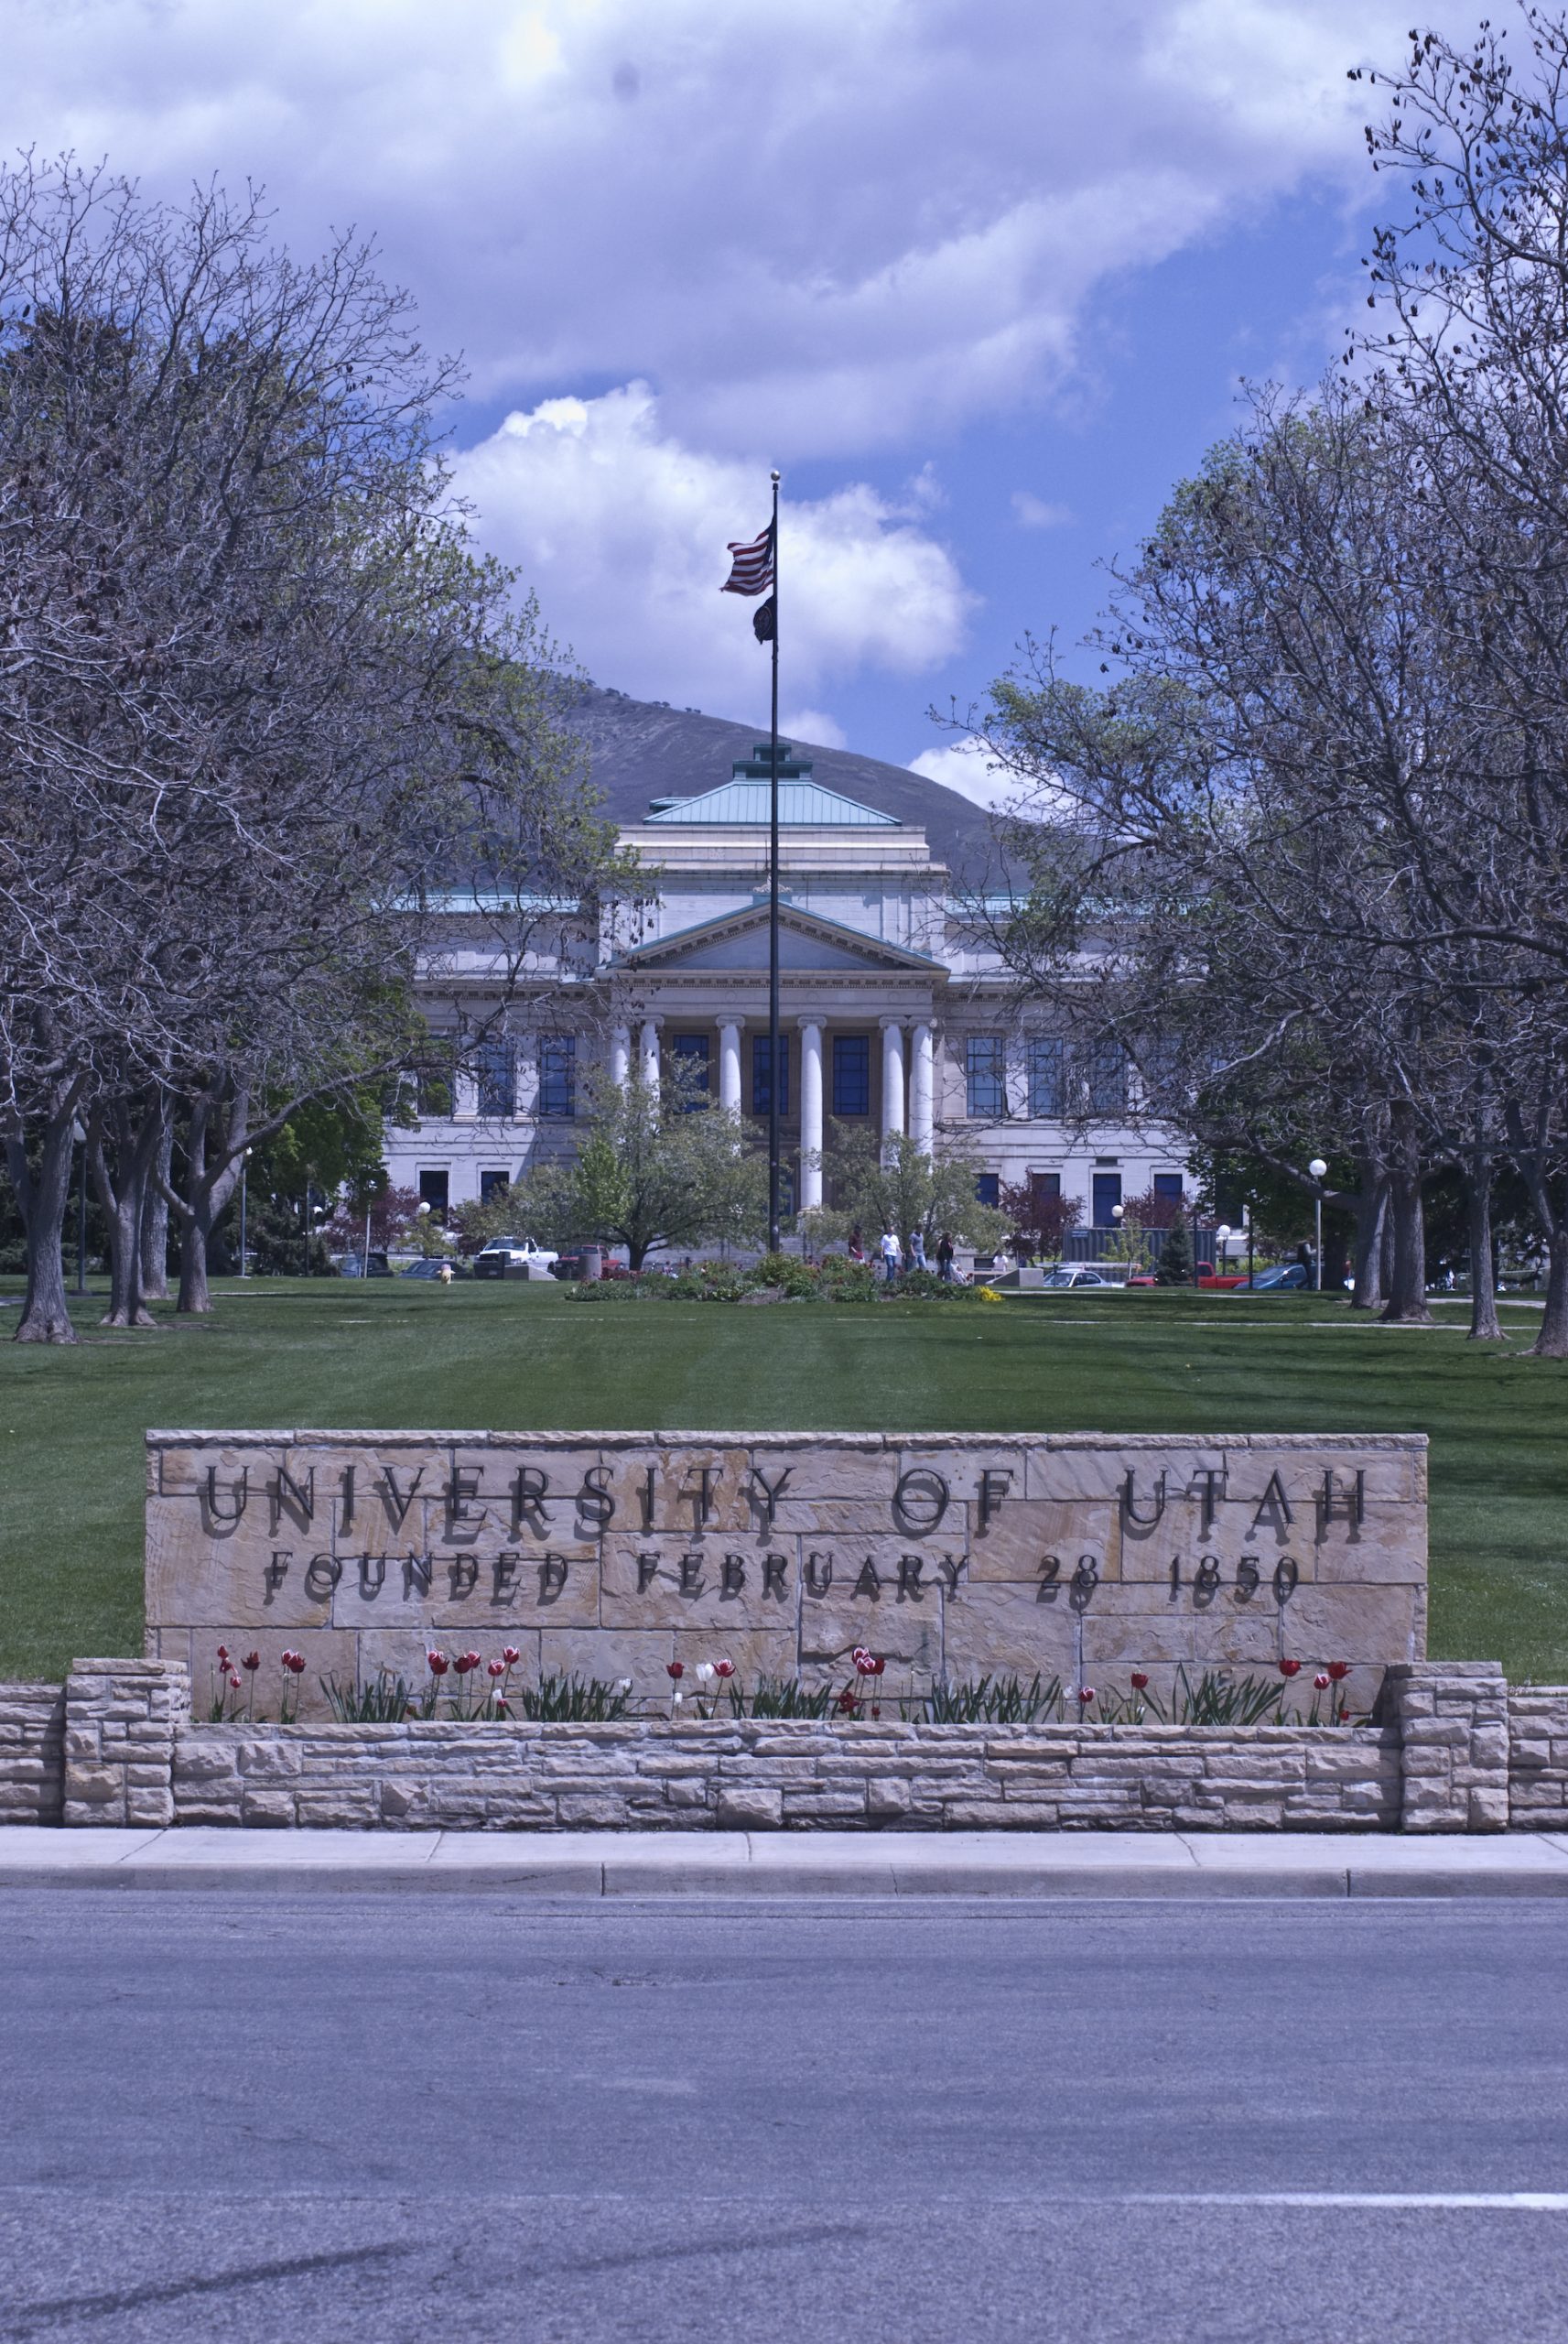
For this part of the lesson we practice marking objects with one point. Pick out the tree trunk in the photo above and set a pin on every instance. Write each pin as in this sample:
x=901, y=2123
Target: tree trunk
x=1406, y=1305
x=123, y=1193
x=45, y=1315
x=1484, y=1325
x=1371, y=1226
x=193, y=1294
x=1552, y=1341
x=155, y=1223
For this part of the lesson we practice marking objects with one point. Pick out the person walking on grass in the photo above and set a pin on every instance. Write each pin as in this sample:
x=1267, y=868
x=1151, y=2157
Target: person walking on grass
x=893, y=1256
x=917, y=1260
x=944, y=1257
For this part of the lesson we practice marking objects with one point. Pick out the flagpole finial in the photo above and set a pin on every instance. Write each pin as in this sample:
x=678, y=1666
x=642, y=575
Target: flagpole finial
x=775, y=478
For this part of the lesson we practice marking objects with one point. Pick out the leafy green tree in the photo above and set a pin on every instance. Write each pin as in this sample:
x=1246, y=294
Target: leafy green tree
x=891, y=1184
x=1177, y=1257
x=653, y=1169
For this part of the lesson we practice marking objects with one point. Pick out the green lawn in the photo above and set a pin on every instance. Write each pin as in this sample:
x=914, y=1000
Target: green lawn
x=281, y=1352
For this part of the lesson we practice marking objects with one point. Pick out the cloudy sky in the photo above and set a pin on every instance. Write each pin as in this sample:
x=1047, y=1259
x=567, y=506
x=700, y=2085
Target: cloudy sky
x=980, y=276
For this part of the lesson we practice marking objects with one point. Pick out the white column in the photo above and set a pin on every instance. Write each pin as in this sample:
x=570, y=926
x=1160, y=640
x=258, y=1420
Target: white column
x=619, y=1056
x=465, y=1097
x=810, y=1111
x=922, y=1084
x=648, y=1055
x=892, y=1077
x=730, y=1064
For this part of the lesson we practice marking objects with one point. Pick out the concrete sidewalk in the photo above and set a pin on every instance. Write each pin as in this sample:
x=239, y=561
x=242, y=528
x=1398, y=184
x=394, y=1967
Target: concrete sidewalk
x=817, y=1863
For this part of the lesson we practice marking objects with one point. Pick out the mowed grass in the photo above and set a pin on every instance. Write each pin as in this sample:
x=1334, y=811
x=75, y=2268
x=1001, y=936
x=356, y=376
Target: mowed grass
x=332, y=1353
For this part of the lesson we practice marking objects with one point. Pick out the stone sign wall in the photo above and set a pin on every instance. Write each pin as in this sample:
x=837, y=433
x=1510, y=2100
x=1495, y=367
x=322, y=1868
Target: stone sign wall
x=1082, y=1555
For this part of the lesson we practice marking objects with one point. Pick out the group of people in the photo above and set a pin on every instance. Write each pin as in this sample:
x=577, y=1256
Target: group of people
x=895, y=1260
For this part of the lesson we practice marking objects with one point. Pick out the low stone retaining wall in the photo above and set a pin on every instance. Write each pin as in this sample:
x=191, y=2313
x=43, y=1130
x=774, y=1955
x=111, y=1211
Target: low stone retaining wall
x=795, y=1773
x=32, y=1753
x=1537, y=1758
x=1454, y=1749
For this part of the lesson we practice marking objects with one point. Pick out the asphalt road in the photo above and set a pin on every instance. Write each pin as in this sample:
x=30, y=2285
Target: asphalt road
x=369, y=2118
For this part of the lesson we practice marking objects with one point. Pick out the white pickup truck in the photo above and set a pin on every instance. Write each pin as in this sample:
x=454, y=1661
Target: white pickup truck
x=513, y=1257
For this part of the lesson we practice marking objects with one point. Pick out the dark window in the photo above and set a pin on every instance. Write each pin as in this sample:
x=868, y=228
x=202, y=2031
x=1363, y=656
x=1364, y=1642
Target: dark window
x=493, y=1186
x=851, y=1074
x=988, y=1188
x=760, y=1088
x=433, y=1094
x=432, y=1192
x=1104, y=1068
x=1044, y=1188
x=1168, y=1185
x=690, y=1052
x=497, y=1079
x=1046, y=1076
x=1106, y=1194
x=557, y=1075
x=983, y=1071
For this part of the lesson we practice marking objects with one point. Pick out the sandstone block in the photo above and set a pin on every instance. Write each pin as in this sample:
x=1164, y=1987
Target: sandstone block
x=738, y=1808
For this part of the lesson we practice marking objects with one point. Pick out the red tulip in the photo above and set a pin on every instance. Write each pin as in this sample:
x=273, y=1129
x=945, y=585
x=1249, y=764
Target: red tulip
x=1338, y=1670
x=1290, y=1668
x=862, y=1659
x=223, y=1655
x=501, y=1709
x=1086, y=1693
x=877, y=1666
x=675, y=1668
x=724, y=1668
x=845, y=1700
x=251, y=1660
x=463, y=1663
x=876, y=1708
x=498, y=1668
x=1140, y=1682
x=439, y=1662
x=296, y=1661
x=234, y=1682
x=1321, y=1682
x=511, y=1656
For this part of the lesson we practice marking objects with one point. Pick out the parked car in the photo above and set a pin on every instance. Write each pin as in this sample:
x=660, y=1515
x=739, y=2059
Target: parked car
x=434, y=1263
x=354, y=1266
x=570, y=1265
x=511, y=1257
x=1289, y=1279
x=1074, y=1273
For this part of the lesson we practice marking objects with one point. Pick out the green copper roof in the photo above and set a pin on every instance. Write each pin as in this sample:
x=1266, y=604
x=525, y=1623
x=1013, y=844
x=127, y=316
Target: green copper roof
x=744, y=802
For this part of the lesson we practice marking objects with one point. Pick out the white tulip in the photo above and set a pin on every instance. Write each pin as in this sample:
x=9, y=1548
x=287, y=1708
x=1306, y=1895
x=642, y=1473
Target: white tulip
x=705, y=1670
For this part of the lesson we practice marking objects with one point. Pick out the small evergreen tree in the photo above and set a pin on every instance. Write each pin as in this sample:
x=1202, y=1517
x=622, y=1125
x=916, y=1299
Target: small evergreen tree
x=1176, y=1257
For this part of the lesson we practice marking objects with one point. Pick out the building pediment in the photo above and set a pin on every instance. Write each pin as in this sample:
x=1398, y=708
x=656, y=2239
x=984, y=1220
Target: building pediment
x=807, y=944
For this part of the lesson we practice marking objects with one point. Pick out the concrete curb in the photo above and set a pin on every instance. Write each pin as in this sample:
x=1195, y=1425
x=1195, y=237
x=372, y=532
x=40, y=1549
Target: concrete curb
x=820, y=1865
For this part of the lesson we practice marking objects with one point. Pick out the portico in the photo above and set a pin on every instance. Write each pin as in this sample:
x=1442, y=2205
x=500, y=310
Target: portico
x=896, y=1016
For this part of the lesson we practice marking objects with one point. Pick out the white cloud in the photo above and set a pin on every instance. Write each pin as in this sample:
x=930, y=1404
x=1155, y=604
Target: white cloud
x=811, y=728
x=963, y=766
x=1034, y=513
x=817, y=230
x=622, y=529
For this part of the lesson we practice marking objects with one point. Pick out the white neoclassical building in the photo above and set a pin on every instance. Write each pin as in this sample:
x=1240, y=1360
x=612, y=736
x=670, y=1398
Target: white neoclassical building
x=897, y=1014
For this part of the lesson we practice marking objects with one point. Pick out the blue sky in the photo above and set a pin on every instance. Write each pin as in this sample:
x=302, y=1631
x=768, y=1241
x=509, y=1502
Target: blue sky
x=980, y=275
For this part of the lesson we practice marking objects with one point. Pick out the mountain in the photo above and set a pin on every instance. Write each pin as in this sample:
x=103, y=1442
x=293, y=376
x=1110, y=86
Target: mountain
x=643, y=749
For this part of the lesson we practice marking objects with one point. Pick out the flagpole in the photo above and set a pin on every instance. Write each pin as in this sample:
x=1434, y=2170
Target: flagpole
x=775, y=1067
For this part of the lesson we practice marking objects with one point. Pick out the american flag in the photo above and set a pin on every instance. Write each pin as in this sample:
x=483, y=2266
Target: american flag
x=753, y=570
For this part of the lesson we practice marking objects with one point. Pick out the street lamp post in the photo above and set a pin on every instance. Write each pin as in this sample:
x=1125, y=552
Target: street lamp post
x=245, y=1168
x=1319, y=1171
x=1221, y=1240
